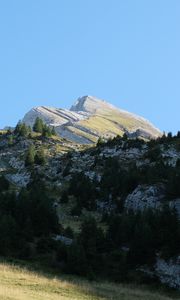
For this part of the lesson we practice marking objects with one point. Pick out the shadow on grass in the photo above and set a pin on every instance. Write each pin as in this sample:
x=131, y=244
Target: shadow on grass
x=97, y=289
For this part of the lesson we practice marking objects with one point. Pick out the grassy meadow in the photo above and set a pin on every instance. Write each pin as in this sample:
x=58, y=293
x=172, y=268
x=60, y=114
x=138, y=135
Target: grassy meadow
x=20, y=283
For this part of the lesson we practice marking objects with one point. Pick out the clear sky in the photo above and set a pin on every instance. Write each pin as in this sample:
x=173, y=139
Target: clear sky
x=124, y=51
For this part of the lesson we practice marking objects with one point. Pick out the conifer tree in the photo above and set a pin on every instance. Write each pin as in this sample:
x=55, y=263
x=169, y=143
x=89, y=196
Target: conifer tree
x=40, y=158
x=10, y=140
x=22, y=129
x=178, y=134
x=38, y=125
x=46, y=131
x=53, y=131
x=30, y=156
x=17, y=128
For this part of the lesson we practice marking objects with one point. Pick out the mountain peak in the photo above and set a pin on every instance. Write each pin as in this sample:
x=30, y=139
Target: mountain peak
x=90, y=118
x=90, y=104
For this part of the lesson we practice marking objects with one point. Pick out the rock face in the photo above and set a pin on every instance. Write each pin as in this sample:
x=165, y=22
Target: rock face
x=90, y=118
x=52, y=116
x=168, y=272
x=145, y=197
x=91, y=105
x=175, y=204
x=150, y=197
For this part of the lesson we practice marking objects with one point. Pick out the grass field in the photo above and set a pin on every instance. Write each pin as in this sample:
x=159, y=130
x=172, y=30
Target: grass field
x=19, y=283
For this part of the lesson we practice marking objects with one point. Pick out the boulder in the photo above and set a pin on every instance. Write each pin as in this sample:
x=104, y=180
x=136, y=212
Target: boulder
x=145, y=197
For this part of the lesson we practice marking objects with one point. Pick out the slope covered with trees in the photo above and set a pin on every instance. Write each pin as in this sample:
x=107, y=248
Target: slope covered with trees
x=76, y=210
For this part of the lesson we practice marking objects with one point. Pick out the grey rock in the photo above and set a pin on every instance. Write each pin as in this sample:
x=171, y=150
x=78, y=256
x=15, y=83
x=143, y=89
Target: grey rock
x=175, y=204
x=63, y=239
x=91, y=105
x=145, y=197
x=168, y=272
x=19, y=179
x=52, y=116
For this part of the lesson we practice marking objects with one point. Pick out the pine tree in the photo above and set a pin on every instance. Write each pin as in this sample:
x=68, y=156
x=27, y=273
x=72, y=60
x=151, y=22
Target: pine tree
x=100, y=141
x=46, y=131
x=169, y=135
x=10, y=140
x=53, y=131
x=178, y=134
x=125, y=137
x=40, y=158
x=17, y=128
x=38, y=125
x=30, y=156
x=22, y=129
x=76, y=260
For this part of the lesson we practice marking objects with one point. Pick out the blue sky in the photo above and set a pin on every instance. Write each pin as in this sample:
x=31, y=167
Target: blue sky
x=124, y=51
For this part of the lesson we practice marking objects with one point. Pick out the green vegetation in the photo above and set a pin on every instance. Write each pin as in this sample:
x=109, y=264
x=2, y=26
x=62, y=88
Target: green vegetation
x=30, y=155
x=40, y=158
x=40, y=127
x=35, y=157
x=4, y=183
x=102, y=240
x=25, y=219
x=79, y=185
x=29, y=223
x=22, y=130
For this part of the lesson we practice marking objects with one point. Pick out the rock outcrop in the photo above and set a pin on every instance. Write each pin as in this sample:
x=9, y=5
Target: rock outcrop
x=52, y=116
x=91, y=105
x=168, y=272
x=145, y=197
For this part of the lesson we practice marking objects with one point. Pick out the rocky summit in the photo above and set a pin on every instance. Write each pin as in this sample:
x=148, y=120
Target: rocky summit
x=90, y=118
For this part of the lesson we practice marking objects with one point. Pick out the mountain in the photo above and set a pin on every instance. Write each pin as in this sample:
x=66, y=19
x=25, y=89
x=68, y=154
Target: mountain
x=90, y=118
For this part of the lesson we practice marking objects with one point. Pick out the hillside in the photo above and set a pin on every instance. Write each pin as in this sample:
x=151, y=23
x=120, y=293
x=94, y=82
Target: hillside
x=17, y=283
x=108, y=211
x=90, y=118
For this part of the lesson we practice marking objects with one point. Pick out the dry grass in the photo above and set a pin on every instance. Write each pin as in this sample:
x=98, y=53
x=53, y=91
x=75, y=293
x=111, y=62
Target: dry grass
x=17, y=283
x=100, y=125
x=3, y=131
x=114, y=121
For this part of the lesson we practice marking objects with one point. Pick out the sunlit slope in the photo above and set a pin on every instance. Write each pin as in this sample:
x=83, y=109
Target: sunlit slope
x=105, y=120
x=20, y=284
x=90, y=118
x=116, y=123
